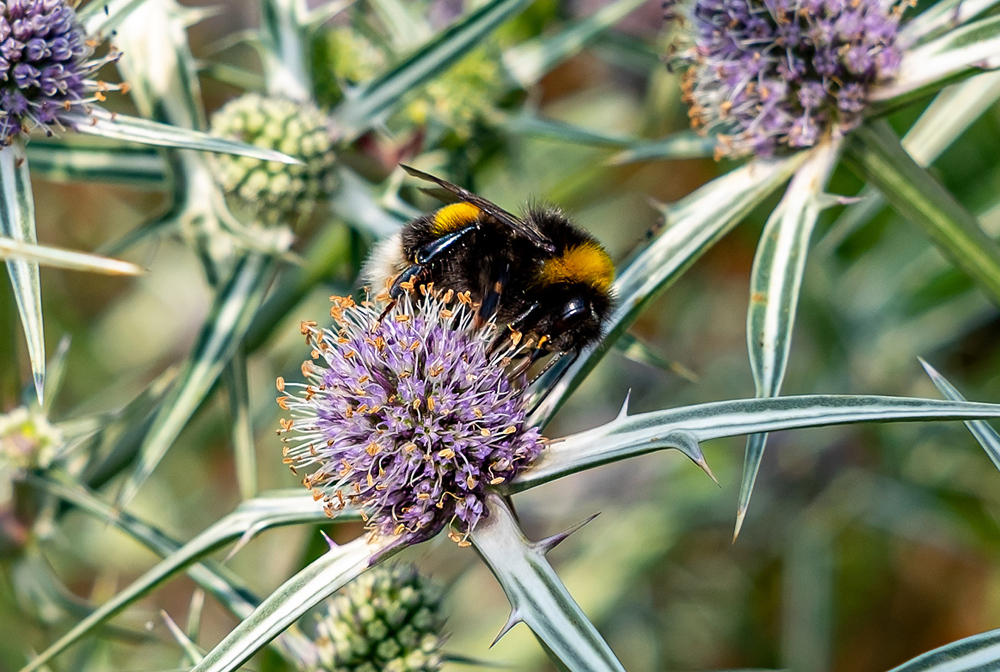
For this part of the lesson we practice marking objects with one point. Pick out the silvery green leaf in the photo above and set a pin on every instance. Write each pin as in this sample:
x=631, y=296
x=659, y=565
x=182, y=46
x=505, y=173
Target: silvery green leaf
x=158, y=65
x=17, y=223
x=320, y=579
x=527, y=63
x=376, y=99
x=272, y=509
x=241, y=432
x=947, y=117
x=537, y=597
x=68, y=259
x=875, y=153
x=55, y=373
x=405, y=25
x=193, y=653
x=970, y=47
x=775, y=282
x=100, y=18
x=693, y=225
x=531, y=125
x=284, y=49
x=679, y=145
x=941, y=17
x=685, y=428
x=977, y=653
x=143, y=131
x=227, y=323
x=62, y=160
x=987, y=437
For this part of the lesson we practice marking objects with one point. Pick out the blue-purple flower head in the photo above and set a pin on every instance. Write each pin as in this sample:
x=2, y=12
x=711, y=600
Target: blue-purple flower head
x=46, y=66
x=767, y=74
x=411, y=418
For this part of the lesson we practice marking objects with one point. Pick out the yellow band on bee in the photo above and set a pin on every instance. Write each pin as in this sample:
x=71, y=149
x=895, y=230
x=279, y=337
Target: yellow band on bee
x=454, y=217
x=587, y=264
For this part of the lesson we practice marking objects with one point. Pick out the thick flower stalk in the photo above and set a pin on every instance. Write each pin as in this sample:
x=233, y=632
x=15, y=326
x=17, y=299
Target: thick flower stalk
x=410, y=417
x=389, y=619
x=46, y=66
x=269, y=191
x=766, y=74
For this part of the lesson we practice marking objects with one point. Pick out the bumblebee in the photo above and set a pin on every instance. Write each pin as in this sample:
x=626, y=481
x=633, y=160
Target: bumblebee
x=540, y=274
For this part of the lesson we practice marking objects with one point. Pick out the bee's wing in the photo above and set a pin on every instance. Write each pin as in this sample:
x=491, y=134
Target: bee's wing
x=491, y=209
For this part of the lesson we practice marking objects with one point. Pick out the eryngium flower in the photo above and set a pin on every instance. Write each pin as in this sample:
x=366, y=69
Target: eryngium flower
x=771, y=73
x=410, y=418
x=270, y=191
x=45, y=65
x=387, y=620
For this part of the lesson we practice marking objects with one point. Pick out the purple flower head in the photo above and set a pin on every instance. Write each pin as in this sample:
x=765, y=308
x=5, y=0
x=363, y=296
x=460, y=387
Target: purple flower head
x=766, y=74
x=410, y=418
x=45, y=66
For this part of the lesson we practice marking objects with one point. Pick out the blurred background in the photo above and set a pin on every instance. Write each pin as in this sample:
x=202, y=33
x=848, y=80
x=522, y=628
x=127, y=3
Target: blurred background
x=863, y=547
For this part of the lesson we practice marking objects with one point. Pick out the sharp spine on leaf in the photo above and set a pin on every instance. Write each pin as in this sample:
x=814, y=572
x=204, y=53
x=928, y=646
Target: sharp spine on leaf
x=826, y=200
x=547, y=544
x=512, y=620
x=622, y=414
x=686, y=440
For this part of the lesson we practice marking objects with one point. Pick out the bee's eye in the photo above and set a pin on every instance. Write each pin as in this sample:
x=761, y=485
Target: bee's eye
x=573, y=311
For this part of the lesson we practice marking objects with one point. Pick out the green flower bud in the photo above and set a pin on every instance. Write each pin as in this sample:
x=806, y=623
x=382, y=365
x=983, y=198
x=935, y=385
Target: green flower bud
x=268, y=191
x=461, y=97
x=27, y=440
x=387, y=620
x=341, y=55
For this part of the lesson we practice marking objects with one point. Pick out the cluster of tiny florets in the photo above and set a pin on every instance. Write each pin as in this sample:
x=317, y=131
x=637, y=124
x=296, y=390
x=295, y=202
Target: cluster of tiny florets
x=771, y=73
x=27, y=441
x=272, y=192
x=45, y=65
x=410, y=417
x=388, y=619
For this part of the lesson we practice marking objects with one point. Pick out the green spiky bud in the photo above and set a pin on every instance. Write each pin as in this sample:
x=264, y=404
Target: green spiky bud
x=342, y=56
x=271, y=192
x=462, y=96
x=387, y=620
x=27, y=440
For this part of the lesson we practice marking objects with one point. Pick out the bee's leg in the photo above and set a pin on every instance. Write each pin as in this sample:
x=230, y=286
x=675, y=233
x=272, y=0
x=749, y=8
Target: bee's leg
x=492, y=294
x=427, y=253
x=548, y=365
x=415, y=274
x=527, y=362
x=515, y=326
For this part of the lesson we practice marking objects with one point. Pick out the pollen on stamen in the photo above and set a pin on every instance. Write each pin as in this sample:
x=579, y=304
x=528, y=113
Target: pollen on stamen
x=397, y=436
x=769, y=75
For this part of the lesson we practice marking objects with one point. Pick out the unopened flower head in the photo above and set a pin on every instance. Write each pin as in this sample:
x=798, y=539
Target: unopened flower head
x=270, y=191
x=46, y=66
x=771, y=73
x=462, y=97
x=27, y=441
x=410, y=418
x=388, y=619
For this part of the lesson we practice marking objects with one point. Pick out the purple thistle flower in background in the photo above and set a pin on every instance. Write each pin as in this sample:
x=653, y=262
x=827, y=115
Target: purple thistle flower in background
x=771, y=73
x=45, y=66
x=410, y=418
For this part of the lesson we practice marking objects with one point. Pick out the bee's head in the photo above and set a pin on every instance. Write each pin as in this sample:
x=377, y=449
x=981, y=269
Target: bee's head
x=573, y=289
x=572, y=315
